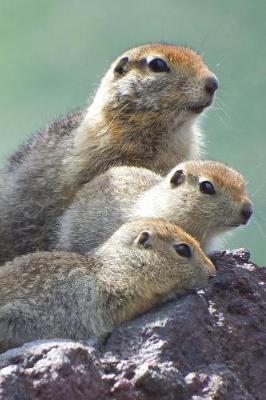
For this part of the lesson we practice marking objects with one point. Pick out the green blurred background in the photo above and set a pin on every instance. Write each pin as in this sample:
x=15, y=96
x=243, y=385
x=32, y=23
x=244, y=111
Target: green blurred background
x=53, y=54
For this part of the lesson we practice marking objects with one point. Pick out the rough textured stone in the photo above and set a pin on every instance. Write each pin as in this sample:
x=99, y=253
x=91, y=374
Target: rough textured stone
x=206, y=345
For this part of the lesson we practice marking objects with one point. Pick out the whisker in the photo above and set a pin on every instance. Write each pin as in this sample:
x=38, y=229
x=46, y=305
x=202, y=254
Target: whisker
x=259, y=228
x=258, y=190
x=222, y=108
x=206, y=231
x=116, y=115
x=225, y=123
x=260, y=215
x=223, y=91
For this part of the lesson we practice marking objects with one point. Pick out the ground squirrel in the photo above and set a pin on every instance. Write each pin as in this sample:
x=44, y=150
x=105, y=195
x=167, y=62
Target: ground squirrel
x=67, y=295
x=143, y=114
x=205, y=198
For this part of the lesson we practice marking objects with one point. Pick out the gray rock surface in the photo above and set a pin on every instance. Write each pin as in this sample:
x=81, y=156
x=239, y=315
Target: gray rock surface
x=206, y=345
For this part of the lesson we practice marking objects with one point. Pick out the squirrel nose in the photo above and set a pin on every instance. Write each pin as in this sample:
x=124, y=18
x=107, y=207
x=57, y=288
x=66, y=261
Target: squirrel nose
x=246, y=212
x=211, y=84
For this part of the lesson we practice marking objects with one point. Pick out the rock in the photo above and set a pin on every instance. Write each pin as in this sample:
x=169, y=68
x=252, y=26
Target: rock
x=210, y=344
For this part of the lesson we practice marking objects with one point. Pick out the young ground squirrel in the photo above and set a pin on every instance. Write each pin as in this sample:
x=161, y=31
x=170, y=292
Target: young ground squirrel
x=143, y=114
x=205, y=198
x=67, y=295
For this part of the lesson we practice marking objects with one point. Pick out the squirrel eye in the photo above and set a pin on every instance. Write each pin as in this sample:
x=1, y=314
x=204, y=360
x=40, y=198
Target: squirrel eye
x=183, y=250
x=206, y=187
x=158, y=65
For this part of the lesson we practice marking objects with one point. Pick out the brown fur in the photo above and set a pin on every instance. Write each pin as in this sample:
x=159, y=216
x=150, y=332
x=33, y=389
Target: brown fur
x=126, y=193
x=55, y=294
x=138, y=118
x=225, y=178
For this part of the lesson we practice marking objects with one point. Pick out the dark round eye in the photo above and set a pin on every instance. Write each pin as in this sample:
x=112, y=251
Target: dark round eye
x=206, y=187
x=183, y=250
x=158, y=65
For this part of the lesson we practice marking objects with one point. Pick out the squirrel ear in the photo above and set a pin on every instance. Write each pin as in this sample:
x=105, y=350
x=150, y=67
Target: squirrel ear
x=144, y=239
x=120, y=68
x=177, y=178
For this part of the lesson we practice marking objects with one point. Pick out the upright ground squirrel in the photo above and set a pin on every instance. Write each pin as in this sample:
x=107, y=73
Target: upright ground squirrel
x=144, y=114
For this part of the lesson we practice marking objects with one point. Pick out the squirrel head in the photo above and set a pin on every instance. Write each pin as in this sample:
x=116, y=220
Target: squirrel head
x=150, y=97
x=166, y=79
x=214, y=194
x=159, y=251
